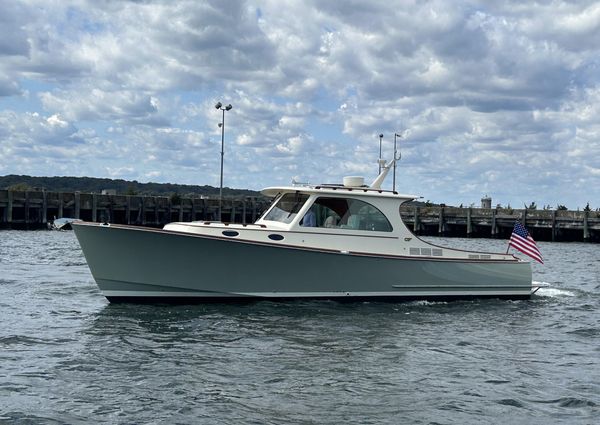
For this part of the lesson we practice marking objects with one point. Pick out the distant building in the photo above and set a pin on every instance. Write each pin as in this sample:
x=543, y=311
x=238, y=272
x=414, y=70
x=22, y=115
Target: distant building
x=109, y=191
x=486, y=202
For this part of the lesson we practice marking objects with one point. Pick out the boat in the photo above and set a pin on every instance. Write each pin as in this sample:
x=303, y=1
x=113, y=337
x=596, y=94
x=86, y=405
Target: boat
x=63, y=223
x=331, y=241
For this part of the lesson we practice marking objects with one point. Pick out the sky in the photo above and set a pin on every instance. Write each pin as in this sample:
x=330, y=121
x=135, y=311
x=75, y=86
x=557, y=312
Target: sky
x=489, y=98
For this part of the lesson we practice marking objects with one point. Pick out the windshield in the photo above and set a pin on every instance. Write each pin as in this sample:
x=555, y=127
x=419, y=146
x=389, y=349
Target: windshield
x=286, y=208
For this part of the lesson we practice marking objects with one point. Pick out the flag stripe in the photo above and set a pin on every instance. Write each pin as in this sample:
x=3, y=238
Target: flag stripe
x=522, y=241
x=533, y=255
x=526, y=248
x=527, y=251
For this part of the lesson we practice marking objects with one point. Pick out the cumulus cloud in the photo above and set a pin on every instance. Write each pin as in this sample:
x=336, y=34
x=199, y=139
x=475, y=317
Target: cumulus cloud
x=123, y=106
x=498, y=98
x=14, y=37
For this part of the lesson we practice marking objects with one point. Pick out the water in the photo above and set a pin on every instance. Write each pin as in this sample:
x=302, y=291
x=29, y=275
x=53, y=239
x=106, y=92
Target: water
x=67, y=356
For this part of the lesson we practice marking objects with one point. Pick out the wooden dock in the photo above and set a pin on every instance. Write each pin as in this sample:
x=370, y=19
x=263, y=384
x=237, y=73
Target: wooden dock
x=35, y=209
x=544, y=225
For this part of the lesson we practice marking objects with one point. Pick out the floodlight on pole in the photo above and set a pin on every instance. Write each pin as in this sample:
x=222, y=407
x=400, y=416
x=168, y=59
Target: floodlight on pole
x=219, y=105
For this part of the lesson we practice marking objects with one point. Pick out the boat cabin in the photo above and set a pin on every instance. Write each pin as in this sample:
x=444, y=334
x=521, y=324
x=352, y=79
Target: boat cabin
x=348, y=218
x=336, y=208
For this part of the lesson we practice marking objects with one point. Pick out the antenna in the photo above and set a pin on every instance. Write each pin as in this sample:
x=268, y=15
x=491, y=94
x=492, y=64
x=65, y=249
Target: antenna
x=396, y=158
x=379, y=160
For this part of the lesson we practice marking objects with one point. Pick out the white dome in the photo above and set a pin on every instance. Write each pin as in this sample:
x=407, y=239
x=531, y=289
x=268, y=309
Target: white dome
x=354, y=181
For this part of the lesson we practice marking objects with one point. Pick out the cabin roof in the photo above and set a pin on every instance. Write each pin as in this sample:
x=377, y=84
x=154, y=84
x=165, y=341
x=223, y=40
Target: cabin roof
x=338, y=190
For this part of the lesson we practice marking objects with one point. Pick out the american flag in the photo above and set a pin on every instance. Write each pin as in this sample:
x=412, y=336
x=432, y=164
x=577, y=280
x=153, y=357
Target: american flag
x=521, y=240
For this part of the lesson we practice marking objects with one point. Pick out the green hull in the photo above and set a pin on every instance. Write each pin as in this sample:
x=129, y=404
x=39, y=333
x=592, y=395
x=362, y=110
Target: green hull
x=131, y=263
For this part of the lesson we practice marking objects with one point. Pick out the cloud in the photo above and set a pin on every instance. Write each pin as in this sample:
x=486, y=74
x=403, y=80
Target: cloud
x=8, y=87
x=123, y=106
x=32, y=130
x=14, y=37
x=498, y=98
x=32, y=142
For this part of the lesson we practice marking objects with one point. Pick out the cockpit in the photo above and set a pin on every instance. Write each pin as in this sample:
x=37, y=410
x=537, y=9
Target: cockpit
x=332, y=212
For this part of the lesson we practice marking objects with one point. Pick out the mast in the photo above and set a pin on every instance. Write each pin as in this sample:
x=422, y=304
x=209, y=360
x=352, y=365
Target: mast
x=385, y=169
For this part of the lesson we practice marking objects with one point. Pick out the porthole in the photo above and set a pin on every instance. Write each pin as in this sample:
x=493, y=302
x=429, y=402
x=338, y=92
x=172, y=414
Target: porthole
x=275, y=237
x=230, y=233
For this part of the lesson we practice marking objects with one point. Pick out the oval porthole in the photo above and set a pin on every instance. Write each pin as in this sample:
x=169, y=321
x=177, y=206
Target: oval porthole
x=230, y=233
x=275, y=237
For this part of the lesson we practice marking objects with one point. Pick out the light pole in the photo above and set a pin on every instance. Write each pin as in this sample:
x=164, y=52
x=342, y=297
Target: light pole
x=220, y=106
x=395, y=159
x=379, y=160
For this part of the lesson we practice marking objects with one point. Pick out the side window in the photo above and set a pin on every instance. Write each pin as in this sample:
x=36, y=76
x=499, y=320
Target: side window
x=345, y=213
x=286, y=208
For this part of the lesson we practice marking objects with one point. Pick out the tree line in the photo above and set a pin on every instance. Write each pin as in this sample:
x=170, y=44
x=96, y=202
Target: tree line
x=175, y=191
x=122, y=187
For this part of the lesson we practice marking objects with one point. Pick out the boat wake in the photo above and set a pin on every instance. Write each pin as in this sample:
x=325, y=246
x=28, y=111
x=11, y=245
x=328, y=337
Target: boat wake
x=552, y=292
x=426, y=302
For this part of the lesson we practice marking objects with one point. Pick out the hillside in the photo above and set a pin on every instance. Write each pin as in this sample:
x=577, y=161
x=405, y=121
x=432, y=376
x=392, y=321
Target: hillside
x=123, y=187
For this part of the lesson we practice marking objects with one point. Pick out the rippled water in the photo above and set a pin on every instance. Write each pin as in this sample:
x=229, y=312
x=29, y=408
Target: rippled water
x=67, y=356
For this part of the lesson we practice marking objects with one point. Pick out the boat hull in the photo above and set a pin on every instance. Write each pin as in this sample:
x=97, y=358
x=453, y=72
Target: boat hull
x=138, y=264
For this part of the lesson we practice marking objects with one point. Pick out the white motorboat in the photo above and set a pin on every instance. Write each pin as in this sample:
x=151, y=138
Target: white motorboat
x=345, y=242
x=63, y=223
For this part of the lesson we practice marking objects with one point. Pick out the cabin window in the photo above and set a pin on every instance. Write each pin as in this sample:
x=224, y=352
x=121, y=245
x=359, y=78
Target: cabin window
x=345, y=213
x=286, y=208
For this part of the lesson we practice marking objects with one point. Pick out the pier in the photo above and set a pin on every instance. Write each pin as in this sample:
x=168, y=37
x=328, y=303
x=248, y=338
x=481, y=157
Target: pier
x=35, y=209
x=543, y=225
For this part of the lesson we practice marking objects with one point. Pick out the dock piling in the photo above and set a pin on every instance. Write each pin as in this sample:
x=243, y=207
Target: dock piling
x=77, y=205
x=416, y=221
x=44, y=217
x=469, y=223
